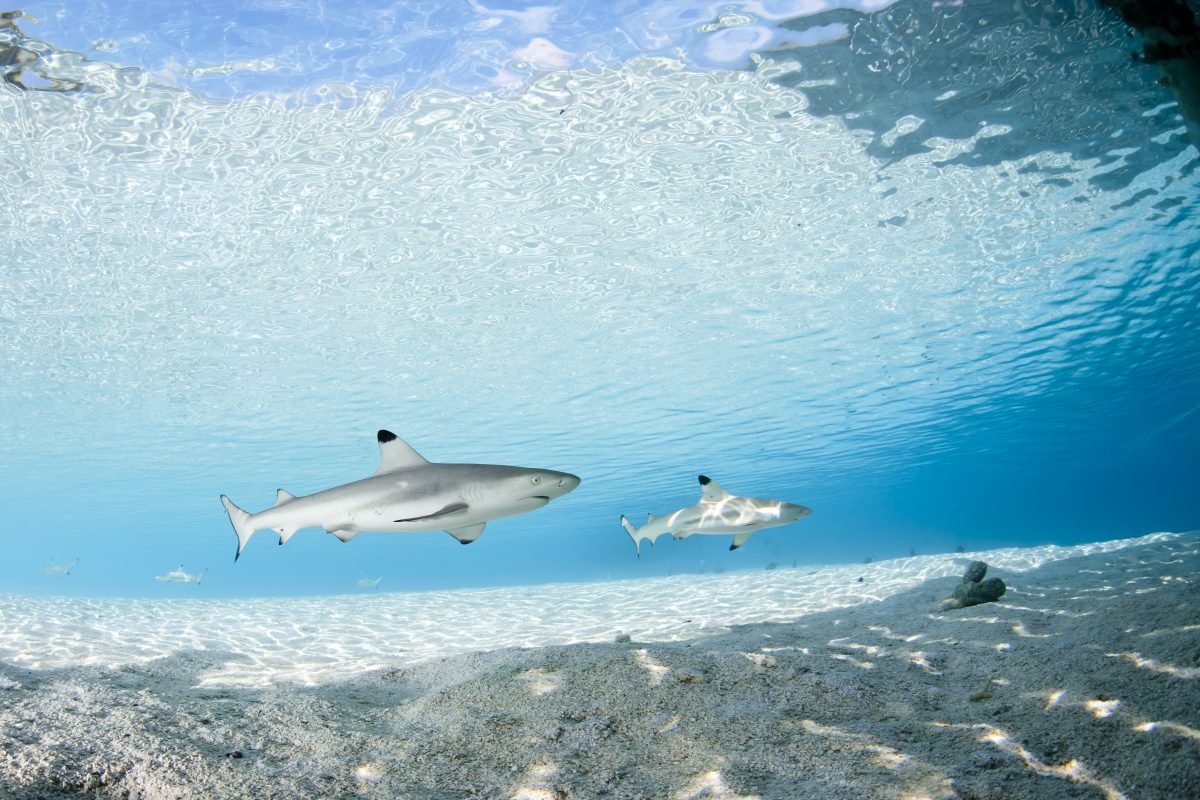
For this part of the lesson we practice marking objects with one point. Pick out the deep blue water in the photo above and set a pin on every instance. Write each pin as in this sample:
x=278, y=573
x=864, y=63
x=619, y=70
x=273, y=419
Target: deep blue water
x=931, y=270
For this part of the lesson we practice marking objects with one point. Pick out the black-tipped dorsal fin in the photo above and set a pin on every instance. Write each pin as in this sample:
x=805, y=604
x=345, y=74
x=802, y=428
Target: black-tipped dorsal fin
x=711, y=491
x=283, y=496
x=394, y=454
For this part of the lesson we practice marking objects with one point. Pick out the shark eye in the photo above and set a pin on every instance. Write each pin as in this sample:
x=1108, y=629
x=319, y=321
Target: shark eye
x=535, y=480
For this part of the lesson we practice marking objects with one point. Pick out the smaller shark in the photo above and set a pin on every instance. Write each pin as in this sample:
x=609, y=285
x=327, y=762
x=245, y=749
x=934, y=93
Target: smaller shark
x=369, y=583
x=717, y=512
x=179, y=576
x=54, y=568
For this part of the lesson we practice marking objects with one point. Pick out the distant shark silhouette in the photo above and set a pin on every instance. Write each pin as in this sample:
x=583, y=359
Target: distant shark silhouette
x=718, y=512
x=178, y=575
x=369, y=583
x=54, y=568
x=408, y=494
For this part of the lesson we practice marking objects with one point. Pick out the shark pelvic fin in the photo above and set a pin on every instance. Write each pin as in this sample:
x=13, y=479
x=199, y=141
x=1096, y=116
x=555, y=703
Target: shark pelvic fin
x=395, y=453
x=445, y=511
x=241, y=525
x=283, y=496
x=740, y=539
x=345, y=535
x=467, y=534
x=711, y=491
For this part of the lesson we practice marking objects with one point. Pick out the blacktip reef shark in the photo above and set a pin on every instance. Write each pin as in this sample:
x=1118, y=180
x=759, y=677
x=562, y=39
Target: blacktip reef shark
x=178, y=575
x=369, y=583
x=54, y=568
x=717, y=512
x=408, y=494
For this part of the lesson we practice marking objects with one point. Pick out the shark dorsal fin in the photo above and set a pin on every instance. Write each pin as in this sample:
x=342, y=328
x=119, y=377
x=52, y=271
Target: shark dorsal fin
x=711, y=491
x=283, y=496
x=394, y=454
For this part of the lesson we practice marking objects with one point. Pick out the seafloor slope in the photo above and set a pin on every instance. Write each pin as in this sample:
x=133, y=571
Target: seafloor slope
x=1082, y=683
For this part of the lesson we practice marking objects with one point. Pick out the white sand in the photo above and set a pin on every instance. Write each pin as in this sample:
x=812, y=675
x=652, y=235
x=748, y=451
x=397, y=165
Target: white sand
x=319, y=639
x=1081, y=682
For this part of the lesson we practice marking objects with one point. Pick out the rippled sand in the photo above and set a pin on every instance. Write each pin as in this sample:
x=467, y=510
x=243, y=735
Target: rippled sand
x=319, y=639
x=1082, y=682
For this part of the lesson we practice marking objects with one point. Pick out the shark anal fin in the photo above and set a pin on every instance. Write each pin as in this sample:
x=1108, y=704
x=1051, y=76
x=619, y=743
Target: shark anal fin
x=345, y=535
x=453, y=508
x=395, y=453
x=467, y=534
x=740, y=539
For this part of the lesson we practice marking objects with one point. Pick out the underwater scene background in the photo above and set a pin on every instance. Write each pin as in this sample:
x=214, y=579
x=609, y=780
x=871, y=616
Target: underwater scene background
x=927, y=268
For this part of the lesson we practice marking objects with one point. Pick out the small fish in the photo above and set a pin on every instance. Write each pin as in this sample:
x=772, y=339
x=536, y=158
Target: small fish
x=717, y=512
x=180, y=576
x=59, y=569
x=369, y=583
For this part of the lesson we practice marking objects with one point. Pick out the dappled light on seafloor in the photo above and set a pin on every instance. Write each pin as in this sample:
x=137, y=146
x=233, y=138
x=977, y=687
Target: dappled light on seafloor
x=656, y=670
x=534, y=783
x=1156, y=666
x=541, y=681
x=919, y=780
x=711, y=786
x=1072, y=770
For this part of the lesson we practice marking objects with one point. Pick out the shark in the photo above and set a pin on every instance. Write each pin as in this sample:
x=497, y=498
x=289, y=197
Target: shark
x=718, y=512
x=54, y=568
x=369, y=583
x=408, y=494
x=178, y=575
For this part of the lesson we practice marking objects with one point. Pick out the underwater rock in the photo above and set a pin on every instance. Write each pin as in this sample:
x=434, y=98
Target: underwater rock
x=975, y=572
x=973, y=590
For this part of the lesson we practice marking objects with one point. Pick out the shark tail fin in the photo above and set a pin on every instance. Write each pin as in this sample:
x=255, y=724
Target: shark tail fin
x=634, y=534
x=241, y=525
x=200, y=576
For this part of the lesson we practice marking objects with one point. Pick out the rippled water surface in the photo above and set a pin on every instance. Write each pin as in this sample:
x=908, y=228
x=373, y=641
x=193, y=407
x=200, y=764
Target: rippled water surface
x=930, y=269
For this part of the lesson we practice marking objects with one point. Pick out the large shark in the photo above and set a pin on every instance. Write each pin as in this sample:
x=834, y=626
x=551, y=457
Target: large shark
x=408, y=494
x=717, y=512
x=178, y=575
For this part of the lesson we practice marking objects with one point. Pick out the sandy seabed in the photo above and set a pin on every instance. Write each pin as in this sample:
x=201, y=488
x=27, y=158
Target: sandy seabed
x=1081, y=682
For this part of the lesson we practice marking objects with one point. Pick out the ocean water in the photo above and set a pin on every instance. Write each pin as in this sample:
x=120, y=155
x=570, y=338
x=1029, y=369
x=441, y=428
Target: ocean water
x=930, y=269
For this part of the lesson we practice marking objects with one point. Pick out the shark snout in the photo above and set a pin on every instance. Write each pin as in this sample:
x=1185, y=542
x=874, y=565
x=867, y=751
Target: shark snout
x=793, y=511
x=560, y=483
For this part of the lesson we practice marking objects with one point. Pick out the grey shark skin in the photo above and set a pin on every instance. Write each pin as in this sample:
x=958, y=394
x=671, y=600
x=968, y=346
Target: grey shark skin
x=718, y=512
x=178, y=575
x=408, y=494
x=54, y=568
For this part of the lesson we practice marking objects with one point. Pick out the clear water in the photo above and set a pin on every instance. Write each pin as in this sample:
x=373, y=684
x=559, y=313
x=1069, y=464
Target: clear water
x=929, y=269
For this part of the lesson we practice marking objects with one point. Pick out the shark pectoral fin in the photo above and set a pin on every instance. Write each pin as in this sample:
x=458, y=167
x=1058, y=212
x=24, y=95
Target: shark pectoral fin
x=453, y=508
x=345, y=535
x=467, y=534
x=740, y=539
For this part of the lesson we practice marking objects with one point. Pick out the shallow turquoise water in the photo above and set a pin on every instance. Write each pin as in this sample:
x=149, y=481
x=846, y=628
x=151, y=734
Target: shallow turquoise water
x=931, y=271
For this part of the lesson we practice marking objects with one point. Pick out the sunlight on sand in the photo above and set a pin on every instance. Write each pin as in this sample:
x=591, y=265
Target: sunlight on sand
x=1073, y=770
x=318, y=639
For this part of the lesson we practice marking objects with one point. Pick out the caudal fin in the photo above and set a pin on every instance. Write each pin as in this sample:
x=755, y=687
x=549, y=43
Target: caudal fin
x=241, y=524
x=637, y=534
